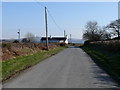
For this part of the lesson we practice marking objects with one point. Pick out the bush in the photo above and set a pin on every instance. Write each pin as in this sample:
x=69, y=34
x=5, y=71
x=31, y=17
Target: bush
x=112, y=45
x=24, y=40
x=62, y=44
x=15, y=41
x=73, y=44
x=86, y=43
x=7, y=45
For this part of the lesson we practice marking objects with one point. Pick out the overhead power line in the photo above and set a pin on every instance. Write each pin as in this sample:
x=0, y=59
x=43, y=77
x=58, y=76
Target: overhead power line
x=49, y=13
x=54, y=20
x=39, y=3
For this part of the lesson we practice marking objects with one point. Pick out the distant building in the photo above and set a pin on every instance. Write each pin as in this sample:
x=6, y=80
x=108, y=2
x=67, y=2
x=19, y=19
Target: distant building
x=55, y=39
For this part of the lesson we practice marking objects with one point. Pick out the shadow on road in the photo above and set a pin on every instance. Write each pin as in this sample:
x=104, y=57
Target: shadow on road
x=102, y=76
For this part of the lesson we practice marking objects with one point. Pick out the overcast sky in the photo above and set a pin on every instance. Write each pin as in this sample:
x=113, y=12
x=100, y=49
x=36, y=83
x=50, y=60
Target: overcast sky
x=70, y=16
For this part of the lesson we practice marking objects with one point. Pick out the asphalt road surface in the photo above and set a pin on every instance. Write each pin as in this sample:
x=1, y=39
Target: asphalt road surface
x=71, y=68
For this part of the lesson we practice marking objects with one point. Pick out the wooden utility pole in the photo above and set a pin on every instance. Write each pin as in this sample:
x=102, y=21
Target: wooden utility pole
x=46, y=28
x=70, y=38
x=64, y=33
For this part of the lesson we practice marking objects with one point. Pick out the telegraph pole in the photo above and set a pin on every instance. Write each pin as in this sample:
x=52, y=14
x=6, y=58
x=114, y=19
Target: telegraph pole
x=64, y=33
x=46, y=28
x=19, y=35
x=70, y=38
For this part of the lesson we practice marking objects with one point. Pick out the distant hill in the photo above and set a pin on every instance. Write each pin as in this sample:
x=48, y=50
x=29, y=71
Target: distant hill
x=7, y=40
x=73, y=40
x=37, y=39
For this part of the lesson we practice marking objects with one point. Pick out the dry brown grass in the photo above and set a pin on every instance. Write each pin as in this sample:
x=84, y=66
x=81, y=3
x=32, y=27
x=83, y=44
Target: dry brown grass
x=12, y=50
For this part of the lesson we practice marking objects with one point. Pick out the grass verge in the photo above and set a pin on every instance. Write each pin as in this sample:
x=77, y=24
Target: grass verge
x=14, y=66
x=108, y=61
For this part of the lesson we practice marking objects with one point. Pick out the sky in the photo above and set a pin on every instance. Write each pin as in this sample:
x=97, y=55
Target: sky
x=69, y=16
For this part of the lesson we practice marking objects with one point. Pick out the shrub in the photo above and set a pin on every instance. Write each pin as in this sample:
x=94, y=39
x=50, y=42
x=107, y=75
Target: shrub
x=112, y=45
x=86, y=43
x=62, y=44
x=73, y=44
x=7, y=45
x=15, y=41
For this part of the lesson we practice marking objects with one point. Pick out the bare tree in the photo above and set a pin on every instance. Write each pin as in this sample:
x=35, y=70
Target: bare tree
x=91, y=31
x=30, y=37
x=115, y=27
x=105, y=35
x=94, y=32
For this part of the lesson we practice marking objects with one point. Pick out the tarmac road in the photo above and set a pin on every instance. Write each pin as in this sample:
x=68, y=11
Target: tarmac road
x=71, y=68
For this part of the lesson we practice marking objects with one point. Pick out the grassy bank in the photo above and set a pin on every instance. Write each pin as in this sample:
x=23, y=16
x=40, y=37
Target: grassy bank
x=13, y=66
x=12, y=50
x=107, y=60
